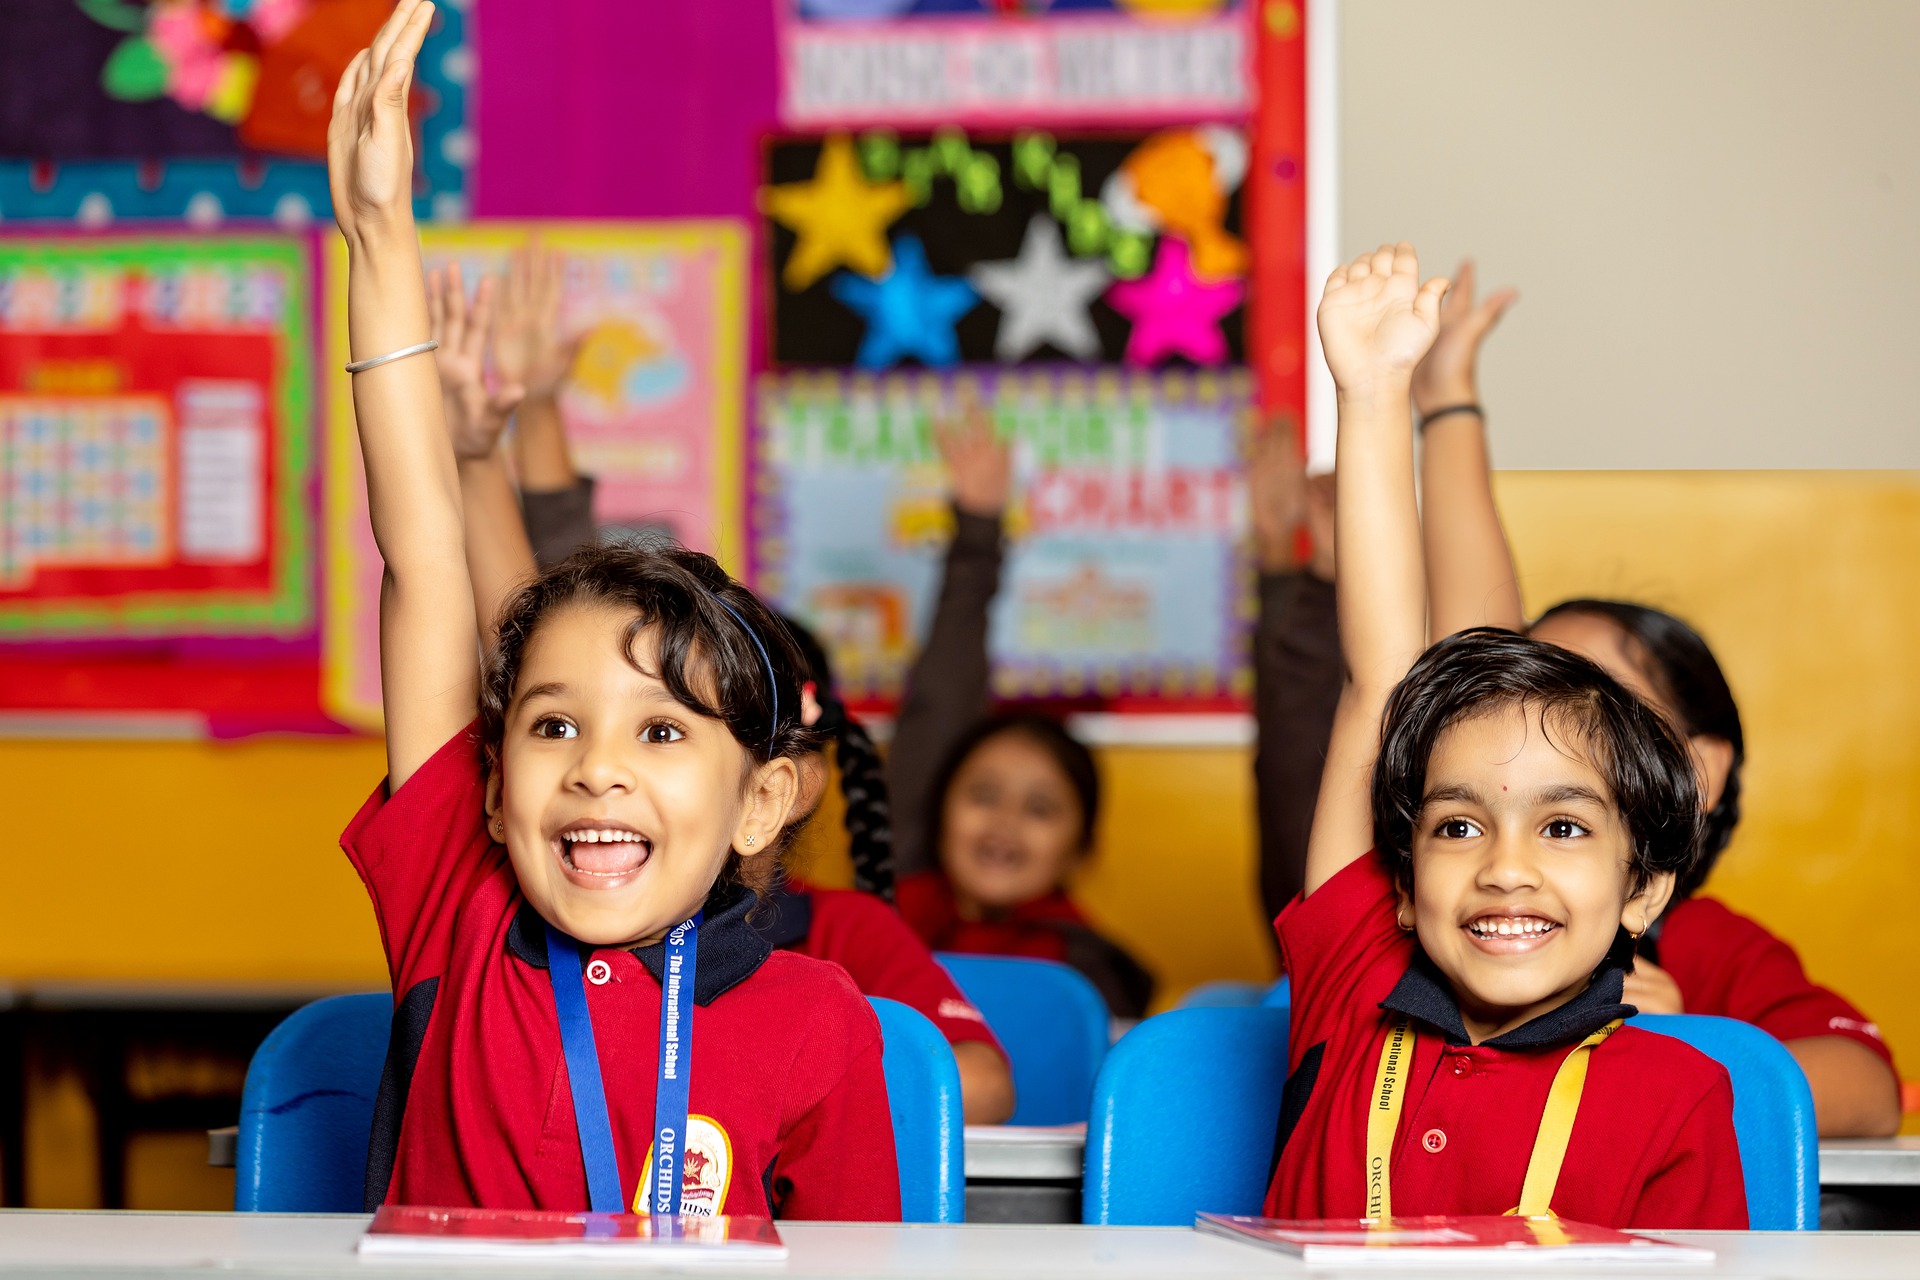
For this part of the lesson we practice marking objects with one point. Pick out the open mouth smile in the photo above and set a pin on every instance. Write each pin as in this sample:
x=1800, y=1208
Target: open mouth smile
x=601, y=855
x=1503, y=933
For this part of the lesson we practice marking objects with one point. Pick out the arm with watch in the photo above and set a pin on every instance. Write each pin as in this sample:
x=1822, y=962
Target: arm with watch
x=1471, y=580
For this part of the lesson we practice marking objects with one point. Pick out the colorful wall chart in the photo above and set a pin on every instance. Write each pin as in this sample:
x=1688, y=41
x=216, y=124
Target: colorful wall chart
x=1127, y=580
x=1031, y=62
x=206, y=110
x=945, y=248
x=154, y=438
x=652, y=412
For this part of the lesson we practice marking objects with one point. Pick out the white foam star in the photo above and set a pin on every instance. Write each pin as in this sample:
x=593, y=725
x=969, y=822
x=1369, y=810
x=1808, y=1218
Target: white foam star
x=1043, y=296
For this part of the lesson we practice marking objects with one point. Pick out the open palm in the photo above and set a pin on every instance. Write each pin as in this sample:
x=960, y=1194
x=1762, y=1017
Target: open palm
x=369, y=140
x=1376, y=319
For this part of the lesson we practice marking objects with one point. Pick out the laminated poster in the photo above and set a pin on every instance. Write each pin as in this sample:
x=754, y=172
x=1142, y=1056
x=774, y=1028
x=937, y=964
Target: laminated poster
x=1127, y=578
x=154, y=438
x=652, y=410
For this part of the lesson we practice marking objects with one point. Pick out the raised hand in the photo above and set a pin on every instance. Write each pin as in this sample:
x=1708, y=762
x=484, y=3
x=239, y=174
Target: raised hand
x=979, y=462
x=476, y=415
x=369, y=140
x=529, y=348
x=1448, y=375
x=1377, y=320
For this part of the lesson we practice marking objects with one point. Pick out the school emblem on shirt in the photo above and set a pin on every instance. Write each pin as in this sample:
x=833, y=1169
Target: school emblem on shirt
x=706, y=1170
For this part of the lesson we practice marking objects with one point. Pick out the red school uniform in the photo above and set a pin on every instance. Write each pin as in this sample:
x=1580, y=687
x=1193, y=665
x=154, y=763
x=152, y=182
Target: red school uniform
x=1731, y=967
x=1048, y=928
x=868, y=939
x=788, y=1109
x=1652, y=1144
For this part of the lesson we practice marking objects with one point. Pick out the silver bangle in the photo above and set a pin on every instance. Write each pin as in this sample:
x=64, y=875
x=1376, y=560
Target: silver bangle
x=418, y=348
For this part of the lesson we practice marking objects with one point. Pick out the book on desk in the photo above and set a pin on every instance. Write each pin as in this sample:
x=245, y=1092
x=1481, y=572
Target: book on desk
x=1448, y=1242
x=626, y=1239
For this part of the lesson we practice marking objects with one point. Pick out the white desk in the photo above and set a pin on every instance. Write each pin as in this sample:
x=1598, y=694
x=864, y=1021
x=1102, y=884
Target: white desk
x=1025, y=1154
x=1870, y=1162
x=272, y=1245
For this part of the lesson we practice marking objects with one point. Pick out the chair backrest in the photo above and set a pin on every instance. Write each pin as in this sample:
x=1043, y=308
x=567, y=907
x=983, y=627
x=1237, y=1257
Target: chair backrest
x=923, y=1093
x=1052, y=1023
x=1184, y=1116
x=1223, y=995
x=1279, y=995
x=307, y=1108
x=1772, y=1116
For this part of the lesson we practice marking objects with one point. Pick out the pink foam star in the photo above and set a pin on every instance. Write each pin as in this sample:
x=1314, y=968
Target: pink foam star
x=1174, y=312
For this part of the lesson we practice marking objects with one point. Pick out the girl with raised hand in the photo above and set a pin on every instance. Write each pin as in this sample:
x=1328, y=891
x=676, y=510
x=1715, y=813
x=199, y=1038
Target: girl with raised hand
x=583, y=817
x=1497, y=819
x=992, y=811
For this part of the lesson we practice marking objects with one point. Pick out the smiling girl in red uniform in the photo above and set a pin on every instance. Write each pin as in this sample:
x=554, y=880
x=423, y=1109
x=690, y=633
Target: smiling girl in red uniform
x=568, y=841
x=1457, y=1045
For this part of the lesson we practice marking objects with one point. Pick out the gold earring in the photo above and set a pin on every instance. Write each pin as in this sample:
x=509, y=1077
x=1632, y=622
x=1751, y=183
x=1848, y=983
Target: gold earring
x=1405, y=926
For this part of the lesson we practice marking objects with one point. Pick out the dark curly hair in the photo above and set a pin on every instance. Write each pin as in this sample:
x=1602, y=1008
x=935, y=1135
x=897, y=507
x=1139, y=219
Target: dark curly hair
x=863, y=777
x=1682, y=669
x=1633, y=747
x=708, y=660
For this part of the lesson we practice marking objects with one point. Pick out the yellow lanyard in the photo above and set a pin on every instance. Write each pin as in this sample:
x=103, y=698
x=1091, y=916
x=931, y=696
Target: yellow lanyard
x=1549, y=1144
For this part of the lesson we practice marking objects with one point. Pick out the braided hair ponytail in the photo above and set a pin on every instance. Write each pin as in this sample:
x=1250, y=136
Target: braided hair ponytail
x=863, y=780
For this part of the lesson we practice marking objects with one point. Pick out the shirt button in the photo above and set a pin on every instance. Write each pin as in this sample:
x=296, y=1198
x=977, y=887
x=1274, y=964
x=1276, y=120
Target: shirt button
x=1462, y=1068
x=1435, y=1141
x=598, y=972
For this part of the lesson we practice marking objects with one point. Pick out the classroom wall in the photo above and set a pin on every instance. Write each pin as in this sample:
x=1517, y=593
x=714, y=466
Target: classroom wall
x=222, y=863
x=1708, y=206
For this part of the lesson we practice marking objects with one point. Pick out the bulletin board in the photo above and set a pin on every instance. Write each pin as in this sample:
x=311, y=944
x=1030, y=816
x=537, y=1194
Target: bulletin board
x=652, y=411
x=154, y=438
x=948, y=248
x=207, y=110
x=1127, y=581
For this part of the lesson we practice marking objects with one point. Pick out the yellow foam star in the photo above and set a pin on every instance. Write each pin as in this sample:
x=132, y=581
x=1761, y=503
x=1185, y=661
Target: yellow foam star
x=840, y=217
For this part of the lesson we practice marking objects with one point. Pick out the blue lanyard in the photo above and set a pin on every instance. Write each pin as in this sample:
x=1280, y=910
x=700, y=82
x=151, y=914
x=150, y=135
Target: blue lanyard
x=583, y=1069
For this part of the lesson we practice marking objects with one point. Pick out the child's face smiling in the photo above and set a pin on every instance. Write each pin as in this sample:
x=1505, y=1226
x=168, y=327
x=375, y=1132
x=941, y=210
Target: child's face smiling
x=619, y=805
x=1521, y=869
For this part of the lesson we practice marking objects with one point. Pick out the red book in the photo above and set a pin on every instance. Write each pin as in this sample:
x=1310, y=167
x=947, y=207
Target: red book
x=1445, y=1243
x=627, y=1239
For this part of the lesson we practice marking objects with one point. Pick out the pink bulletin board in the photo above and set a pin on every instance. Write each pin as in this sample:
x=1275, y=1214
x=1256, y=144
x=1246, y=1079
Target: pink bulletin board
x=653, y=410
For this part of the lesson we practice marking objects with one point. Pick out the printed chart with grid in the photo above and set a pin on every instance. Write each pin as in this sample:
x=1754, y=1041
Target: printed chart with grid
x=86, y=482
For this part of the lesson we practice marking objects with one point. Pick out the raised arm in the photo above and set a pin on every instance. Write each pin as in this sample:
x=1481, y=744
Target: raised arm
x=498, y=557
x=948, y=686
x=1376, y=321
x=1470, y=576
x=429, y=661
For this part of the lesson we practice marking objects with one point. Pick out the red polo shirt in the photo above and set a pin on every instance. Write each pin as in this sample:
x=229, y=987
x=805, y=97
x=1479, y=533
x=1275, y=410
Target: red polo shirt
x=788, y=1108
x=867, y=938
x=1652, y=1146
x=1730, y=966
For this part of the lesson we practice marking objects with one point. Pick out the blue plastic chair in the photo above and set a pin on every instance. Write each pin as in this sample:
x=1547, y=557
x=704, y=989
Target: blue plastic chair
x=1279, y=995
x=923, y=1093
x=1223, y=995
x=1772, y=1116
x=307, y=1108
x=1052, y=1023
x=306, y=1111
x=1184, y=1116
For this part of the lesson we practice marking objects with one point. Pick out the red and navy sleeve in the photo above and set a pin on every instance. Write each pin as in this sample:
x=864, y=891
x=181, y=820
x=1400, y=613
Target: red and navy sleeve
x=1729, y=965
x=836, y=1160
x=420, y=852
x=884, y=957
x=1342, y=951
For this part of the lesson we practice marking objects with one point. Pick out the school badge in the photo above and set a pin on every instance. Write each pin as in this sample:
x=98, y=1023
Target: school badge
x=706, y=1170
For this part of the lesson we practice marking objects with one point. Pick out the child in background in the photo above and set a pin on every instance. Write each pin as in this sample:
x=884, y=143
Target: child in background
x=857, y=931
x=1700, y=957
x=1527, y=817
x=992, y=812
x=586, y=816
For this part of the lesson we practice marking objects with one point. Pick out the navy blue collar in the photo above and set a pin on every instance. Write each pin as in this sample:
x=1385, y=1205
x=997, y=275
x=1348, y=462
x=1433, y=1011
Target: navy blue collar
x=1423, y=994
x=731, y=949
x=785, y=917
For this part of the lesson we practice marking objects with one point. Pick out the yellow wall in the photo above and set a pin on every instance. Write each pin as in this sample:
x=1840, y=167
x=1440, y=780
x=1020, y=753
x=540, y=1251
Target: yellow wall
x=218, y=861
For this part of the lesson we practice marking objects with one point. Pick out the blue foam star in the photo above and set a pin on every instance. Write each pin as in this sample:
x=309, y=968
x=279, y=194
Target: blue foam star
x=909, y=311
